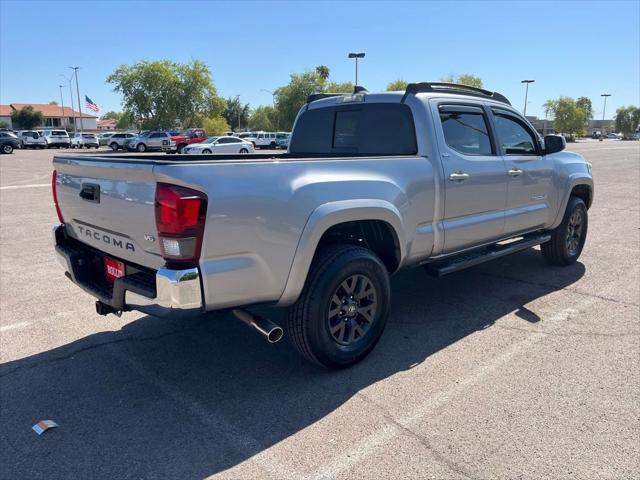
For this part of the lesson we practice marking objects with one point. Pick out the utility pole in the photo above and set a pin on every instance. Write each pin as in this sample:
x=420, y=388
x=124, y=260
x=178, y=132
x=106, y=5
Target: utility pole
x=75, y=70
x=356, y=55
x=526, y=95
x=605, y=95
x=73, y=112
x=61, y=106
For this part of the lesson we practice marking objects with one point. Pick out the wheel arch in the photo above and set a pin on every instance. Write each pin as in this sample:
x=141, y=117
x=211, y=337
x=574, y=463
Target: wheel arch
x=378, y=222
x=578, y=186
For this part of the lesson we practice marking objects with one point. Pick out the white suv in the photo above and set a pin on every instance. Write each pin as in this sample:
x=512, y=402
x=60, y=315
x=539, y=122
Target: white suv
x=57, y=138
x=265, y=139
x=31, y=139
x=79, y=140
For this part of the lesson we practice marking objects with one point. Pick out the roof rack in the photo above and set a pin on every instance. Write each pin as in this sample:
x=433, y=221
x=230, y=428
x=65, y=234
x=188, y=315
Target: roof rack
x=318, y=96
x=453, y=88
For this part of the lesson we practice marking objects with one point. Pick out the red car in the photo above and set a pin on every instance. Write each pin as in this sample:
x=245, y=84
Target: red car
x=189, y=136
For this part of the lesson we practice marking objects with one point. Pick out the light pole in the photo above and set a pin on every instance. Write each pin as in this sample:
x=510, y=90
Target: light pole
x=356, y=56
x=61, y=106
x=75, y=70
x=526, y=95
x=605, y=95
x=73, y=112
x=273, y=102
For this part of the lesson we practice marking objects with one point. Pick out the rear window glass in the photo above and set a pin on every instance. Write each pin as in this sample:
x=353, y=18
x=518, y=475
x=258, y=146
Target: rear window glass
x=57, y=133
x=374, y=129
x=465, y=130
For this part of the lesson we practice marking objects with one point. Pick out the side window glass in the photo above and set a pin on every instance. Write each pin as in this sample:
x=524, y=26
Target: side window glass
x=465, y=130
x=514, y=138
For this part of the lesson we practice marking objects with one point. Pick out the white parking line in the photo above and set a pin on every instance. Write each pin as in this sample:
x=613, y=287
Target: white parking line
x=14, y=326
x=19, y=187
x=367, y=445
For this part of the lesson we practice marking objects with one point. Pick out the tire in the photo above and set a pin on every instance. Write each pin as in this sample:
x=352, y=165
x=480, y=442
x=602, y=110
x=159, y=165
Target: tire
x=329, y=339
x=181, y=147
x=206, y=151
x=7, y=148
x=141, y=148
x=114, y=146
x=567, y=239
x=243, y=151
x=272, y=145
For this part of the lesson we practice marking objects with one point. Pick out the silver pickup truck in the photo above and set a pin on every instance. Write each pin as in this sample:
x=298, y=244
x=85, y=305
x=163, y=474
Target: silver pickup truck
x=441, y=175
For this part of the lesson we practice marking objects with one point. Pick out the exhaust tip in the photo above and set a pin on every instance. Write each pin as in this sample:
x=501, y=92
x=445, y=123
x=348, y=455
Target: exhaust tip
x=275, y=335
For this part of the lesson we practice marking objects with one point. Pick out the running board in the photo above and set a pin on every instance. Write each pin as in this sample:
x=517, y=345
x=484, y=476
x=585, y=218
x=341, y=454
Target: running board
x=460, y=262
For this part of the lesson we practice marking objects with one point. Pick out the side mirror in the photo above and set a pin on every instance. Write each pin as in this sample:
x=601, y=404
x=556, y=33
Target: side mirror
x=554, y=143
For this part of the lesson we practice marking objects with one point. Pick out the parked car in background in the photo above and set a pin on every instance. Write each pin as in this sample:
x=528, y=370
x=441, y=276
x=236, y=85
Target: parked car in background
x=188, y=137
x=117, y=140
x=265, y=140
x=282, y=140
x=614, y=136
x=31, y=139
x=151, y=141
x=103, y=138
x=219, y=145
x=88, y=140
x=248, y=136
x=8, y=142
x=57, y=138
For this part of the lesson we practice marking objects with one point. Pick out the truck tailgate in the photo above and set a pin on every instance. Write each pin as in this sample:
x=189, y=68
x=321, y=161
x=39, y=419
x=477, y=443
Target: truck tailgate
x=110, y=206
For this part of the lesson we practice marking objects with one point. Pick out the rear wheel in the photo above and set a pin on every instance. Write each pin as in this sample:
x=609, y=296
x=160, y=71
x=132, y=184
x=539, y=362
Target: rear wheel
x=272, y=145
x=343, y=308
x=114, y=146
x=567, y=239
x=141, y=148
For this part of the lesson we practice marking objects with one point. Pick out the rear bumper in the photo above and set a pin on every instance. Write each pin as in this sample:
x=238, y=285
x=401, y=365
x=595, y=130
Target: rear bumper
x=163, y=293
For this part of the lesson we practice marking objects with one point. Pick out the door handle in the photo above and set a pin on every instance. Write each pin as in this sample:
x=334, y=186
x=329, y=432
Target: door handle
x=515, y=172
x=458, y=176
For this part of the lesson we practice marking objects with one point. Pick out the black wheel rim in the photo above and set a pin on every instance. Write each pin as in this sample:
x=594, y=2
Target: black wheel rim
x=574, y=232
x=352, y=309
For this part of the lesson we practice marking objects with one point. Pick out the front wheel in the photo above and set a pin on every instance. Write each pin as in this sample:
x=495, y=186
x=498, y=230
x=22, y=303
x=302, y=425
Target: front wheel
x=114, y=146
x=567, y=239
x=243, y=151
x=343, y=308
x=181, y=148
x=7, y=148
x=206, y=151
x=142, y=148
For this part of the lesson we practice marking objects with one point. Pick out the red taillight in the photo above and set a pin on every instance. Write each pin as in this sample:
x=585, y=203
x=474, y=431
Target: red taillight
x=180, y=218
x=54, y=190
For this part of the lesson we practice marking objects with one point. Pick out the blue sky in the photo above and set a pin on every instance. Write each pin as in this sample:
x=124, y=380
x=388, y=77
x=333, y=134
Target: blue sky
x=569, y=48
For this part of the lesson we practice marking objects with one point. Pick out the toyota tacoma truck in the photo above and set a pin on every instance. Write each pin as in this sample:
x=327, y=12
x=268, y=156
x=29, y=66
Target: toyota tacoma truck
x=442, y=176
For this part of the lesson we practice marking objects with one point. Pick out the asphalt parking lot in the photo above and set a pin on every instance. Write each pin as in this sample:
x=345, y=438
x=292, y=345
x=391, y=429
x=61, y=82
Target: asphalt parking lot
x=512, y=369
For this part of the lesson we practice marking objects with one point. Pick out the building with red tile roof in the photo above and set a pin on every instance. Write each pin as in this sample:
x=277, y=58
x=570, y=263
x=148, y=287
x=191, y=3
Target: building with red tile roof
x=55, y=116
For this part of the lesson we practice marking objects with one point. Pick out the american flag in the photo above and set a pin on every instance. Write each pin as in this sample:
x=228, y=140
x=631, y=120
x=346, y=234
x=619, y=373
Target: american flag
x=90, y=105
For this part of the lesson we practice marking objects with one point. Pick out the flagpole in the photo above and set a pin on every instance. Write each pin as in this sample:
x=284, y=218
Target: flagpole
x=75, y=69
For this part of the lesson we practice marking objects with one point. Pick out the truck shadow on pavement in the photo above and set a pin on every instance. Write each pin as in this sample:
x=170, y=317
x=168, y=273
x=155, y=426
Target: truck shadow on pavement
x=167, y=399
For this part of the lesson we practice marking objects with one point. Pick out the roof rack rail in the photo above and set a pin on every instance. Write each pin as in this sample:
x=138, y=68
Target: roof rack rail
x=318, y=96
x=414, y=88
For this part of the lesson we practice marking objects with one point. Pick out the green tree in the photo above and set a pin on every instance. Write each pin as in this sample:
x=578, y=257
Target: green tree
x=264, y=118
x=214, y=125
x=163, y=94
x=464, y=79
x=397, y=86
x=111, y=116
x=291, y=97
x=126, y=120
x=4, y=124
x=339, y=87
x=27, y=118
x=568, y=118
x=53, y=102
x=584, y=103
x=233, y=109
x=323, y=71
x=627, y=120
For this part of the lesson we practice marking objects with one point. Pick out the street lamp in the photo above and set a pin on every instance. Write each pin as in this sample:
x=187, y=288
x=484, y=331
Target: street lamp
x=75, y=71
x=239, y=110
x=526, y=95
x=356, y=56
x=605, y=95
x=73, y=112
x=61, y=106
x=273, y=102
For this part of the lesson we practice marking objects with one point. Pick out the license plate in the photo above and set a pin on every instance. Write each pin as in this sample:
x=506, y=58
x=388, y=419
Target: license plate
x=113, y=269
